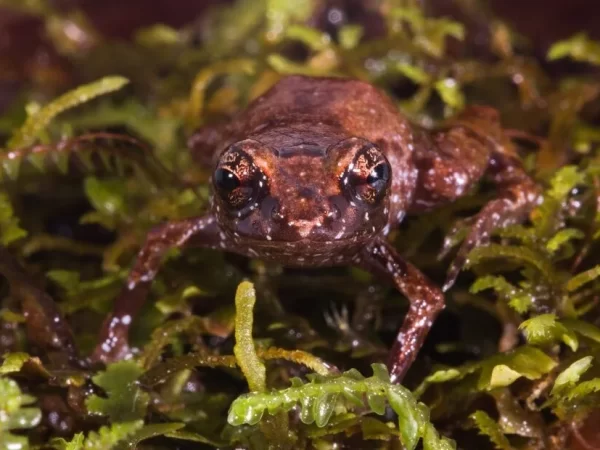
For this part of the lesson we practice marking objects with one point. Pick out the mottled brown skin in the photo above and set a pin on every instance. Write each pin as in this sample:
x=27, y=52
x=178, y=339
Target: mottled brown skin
x=315, y=173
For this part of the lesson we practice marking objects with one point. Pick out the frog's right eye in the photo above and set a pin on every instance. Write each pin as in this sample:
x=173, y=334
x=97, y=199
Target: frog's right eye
x=226, y=181
x=238, y=182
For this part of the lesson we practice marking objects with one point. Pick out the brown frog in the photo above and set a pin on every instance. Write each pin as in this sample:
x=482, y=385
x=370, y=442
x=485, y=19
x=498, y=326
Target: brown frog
x=316, y=172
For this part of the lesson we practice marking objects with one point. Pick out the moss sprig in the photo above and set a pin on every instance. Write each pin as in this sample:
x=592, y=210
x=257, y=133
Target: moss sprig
x=320, y=398
x=38, y=120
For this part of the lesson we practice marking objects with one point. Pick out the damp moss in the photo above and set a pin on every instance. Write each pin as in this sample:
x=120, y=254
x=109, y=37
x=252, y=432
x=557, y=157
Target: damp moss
x=292, y=360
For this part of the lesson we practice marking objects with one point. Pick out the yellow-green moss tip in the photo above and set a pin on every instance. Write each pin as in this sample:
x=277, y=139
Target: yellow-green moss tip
x=245, y=353
x=37, y=122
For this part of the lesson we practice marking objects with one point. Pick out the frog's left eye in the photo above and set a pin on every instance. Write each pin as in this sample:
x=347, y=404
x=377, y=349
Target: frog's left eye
x=367, y=177
x=238, y=182
x=379, y=176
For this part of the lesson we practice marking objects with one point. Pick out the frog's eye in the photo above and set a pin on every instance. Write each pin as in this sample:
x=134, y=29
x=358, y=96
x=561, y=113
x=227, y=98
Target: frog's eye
x=238, y=182
x=226, y=181
x=379, y=176
x=367, y=178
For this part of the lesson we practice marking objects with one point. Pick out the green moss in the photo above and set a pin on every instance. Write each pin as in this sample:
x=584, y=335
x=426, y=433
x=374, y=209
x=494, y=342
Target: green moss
x=86, y=174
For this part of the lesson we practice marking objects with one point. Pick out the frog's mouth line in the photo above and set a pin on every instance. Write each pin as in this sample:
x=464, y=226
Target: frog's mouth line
x=307, y=232
x=268, y=241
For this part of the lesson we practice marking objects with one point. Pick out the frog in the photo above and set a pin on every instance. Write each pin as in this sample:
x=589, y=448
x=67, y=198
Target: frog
x=317, y=172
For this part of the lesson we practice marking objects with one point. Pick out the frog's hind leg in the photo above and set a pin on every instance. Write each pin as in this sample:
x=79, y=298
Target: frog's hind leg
x=517, y=195
x=451, y=162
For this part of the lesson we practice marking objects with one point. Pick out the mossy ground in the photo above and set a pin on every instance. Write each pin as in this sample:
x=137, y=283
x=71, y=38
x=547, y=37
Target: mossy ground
x=511, y=363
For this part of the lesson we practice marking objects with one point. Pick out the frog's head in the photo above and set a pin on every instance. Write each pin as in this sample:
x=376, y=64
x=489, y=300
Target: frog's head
x=303, y=192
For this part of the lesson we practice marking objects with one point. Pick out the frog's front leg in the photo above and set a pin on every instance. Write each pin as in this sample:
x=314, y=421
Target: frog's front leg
x=450, y=163
x=426, y=302
x=196, y=232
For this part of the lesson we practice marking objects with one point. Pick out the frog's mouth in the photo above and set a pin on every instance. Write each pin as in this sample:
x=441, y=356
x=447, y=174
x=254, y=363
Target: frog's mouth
x=307, y=233
x=304, y=227
x=307, y=245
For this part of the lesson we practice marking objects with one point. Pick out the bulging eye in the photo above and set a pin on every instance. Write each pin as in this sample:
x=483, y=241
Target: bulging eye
x=225, y=180
x=238, y=182
x=379, y=176
x=368, y=176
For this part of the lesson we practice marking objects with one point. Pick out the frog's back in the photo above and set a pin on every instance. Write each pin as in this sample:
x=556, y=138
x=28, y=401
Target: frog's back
x=356, y=107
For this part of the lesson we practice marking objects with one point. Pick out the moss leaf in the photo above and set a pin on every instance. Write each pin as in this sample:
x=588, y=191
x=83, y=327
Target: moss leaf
x=15, y=415
x=107, y=196
x=503, y=369
x=106, y=438
x=10, y=231
x=39, y=120
x=490, y=428
x=244, y=350
x=545, y=329
x=578, y=47
x=450, y=92
x=13, y=362
x=125, y=401
x=325, y=390
x=570, y=376
x=583, y=278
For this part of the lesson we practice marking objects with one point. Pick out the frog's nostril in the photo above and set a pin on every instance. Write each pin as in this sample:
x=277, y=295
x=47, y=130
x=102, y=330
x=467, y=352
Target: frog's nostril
x=277, y=213
x=270, y=209
x=333, y=213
